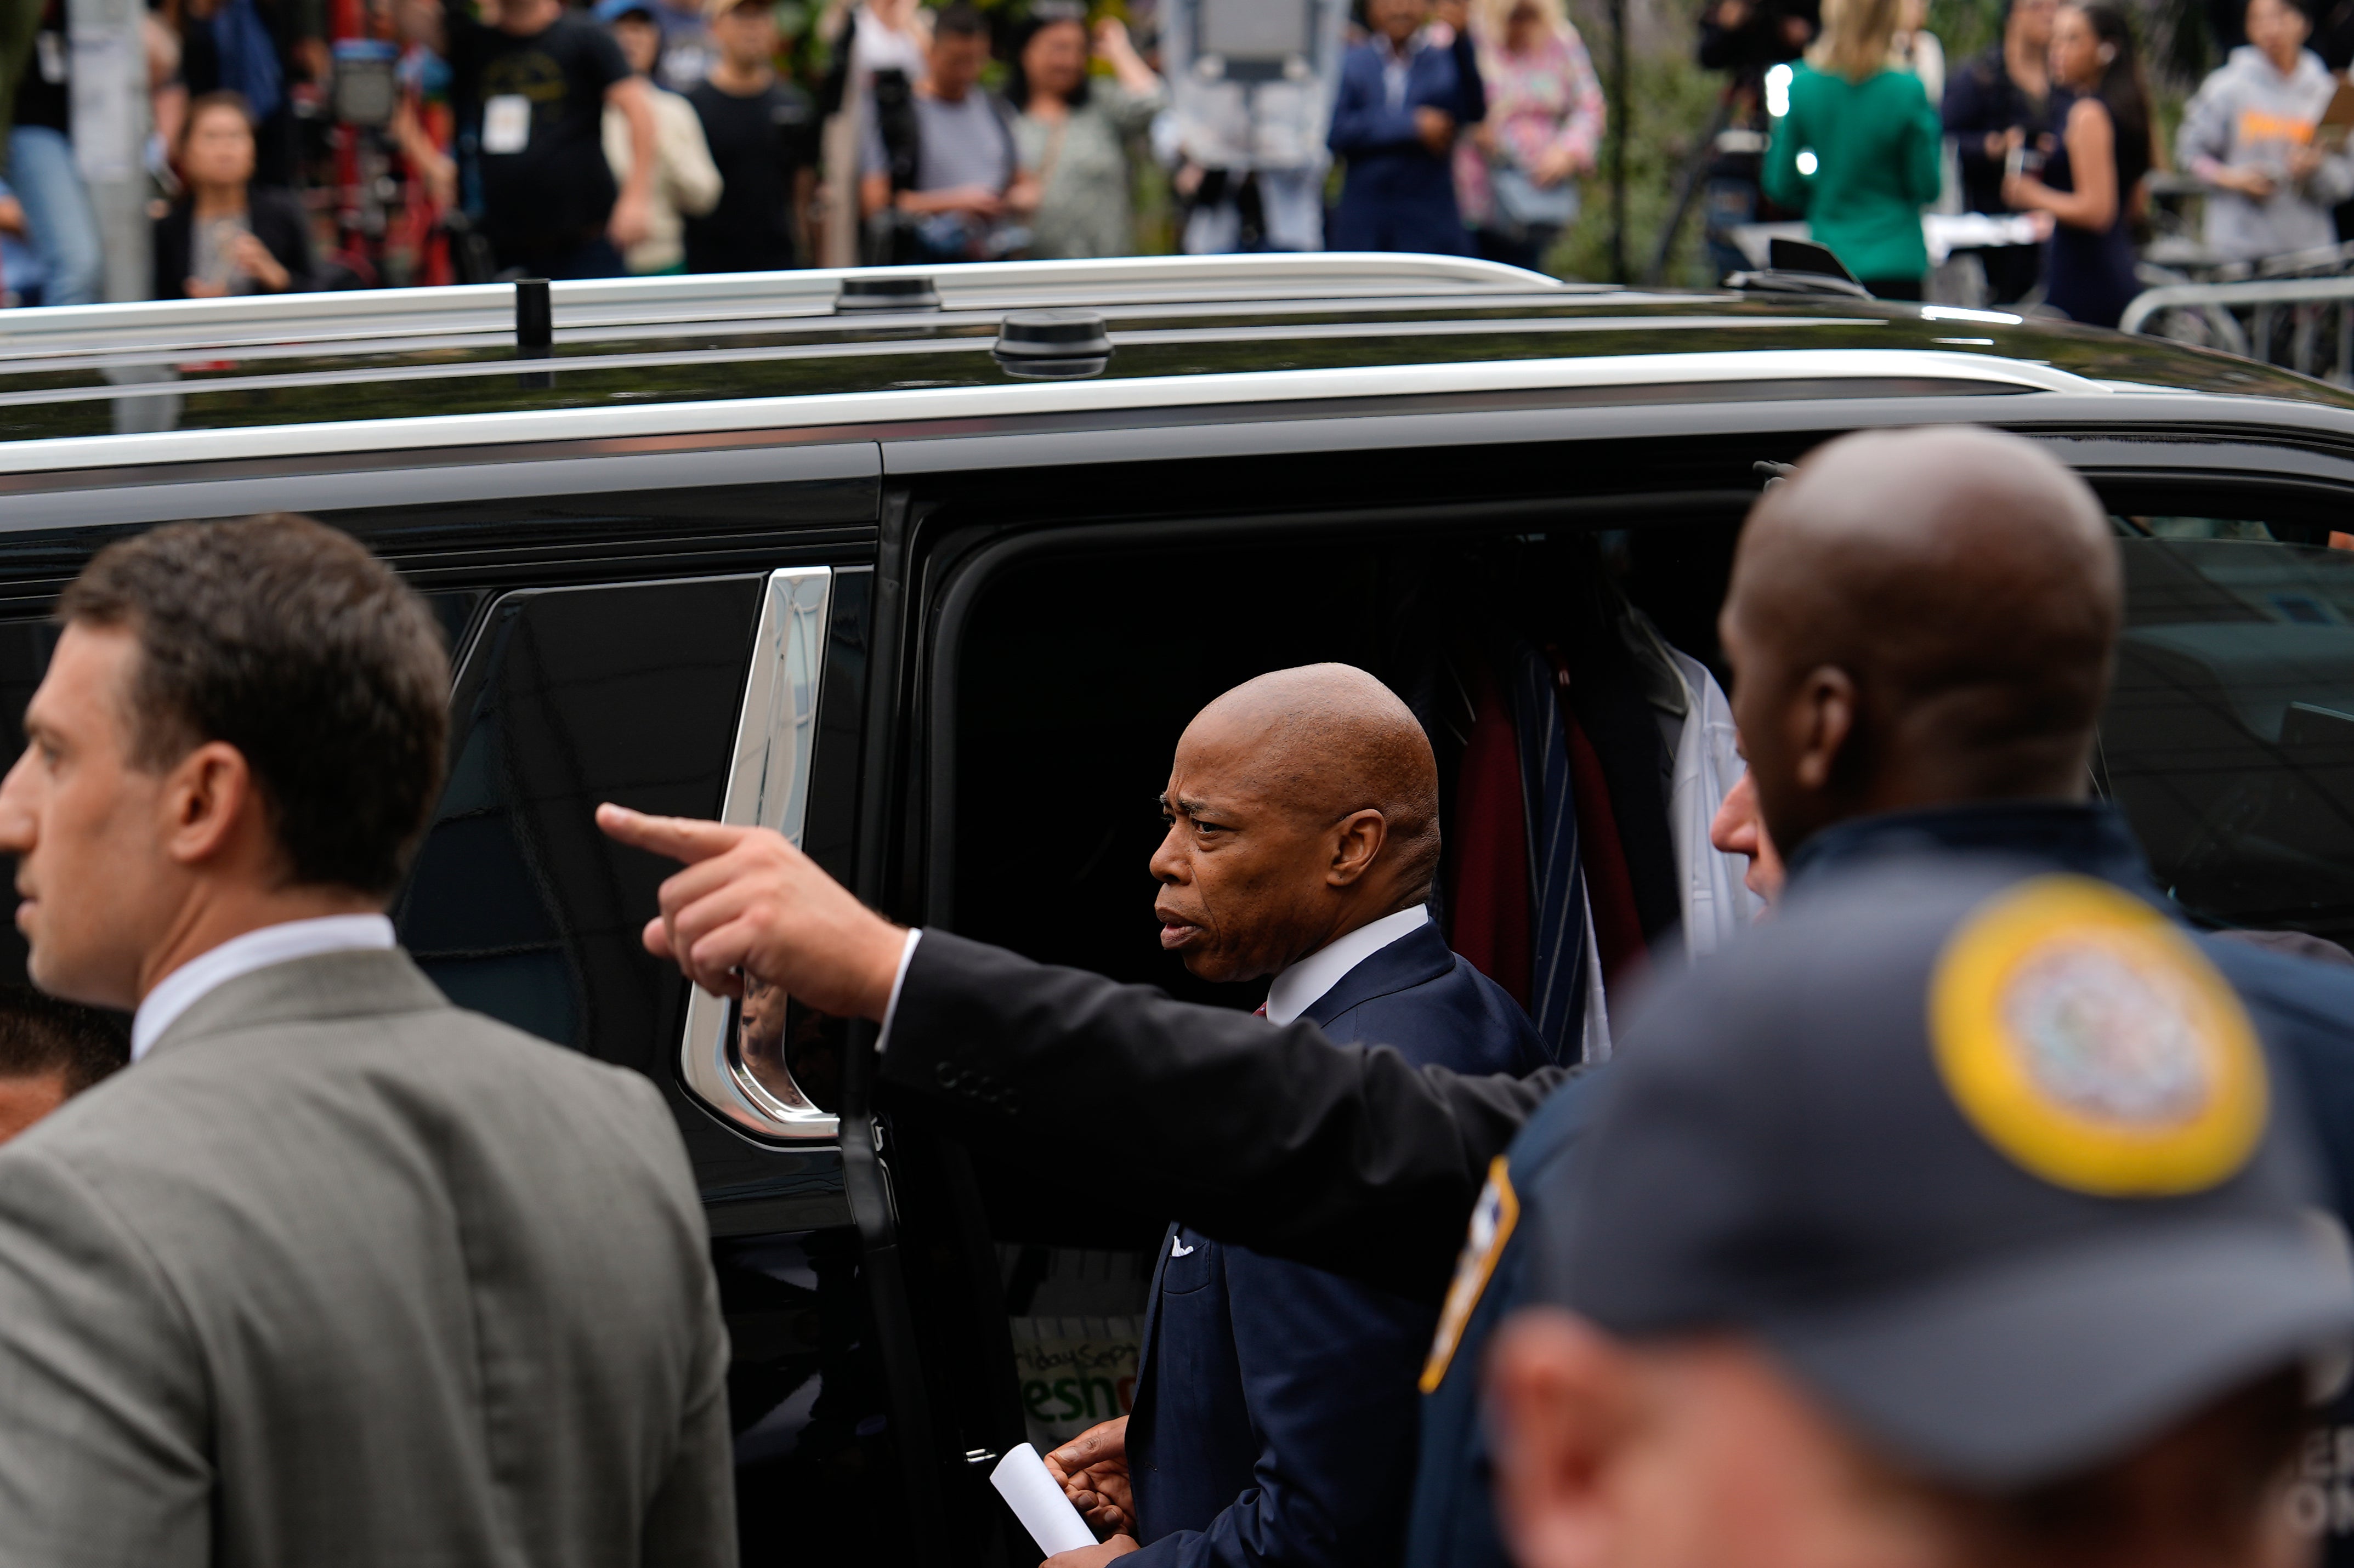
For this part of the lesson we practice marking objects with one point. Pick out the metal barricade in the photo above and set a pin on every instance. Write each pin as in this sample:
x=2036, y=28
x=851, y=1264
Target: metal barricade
x=2297, y=313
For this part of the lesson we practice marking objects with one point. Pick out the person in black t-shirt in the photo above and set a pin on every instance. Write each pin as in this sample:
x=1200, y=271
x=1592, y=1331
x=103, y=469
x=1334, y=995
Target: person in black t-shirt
x=760, y=131
x=531, y=91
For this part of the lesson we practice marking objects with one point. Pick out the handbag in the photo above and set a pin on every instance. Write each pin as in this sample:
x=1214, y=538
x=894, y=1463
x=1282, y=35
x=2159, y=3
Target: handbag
x=1522, y=205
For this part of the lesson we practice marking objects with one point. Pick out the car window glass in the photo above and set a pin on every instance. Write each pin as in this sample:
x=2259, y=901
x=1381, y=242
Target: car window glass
x=518, y=905
x=2228, y=738
x=25, y=647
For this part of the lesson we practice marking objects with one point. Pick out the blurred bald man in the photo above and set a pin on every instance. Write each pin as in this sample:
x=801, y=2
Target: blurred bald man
x=1275, y=1411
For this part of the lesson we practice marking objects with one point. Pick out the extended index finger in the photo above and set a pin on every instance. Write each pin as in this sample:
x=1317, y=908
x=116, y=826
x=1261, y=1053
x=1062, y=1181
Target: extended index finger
x=687, y=839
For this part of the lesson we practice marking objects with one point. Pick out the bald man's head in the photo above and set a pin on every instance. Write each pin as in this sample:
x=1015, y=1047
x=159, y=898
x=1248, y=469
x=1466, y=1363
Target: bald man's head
x=1302, y=805
x=1920, y=617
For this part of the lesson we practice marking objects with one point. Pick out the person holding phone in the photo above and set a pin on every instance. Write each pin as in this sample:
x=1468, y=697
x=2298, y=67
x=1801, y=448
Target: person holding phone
x=2252, y=136
x=227, y=235
x=1998, y=102
x=1405, y=94
x=1072, y=128
x=1515, y=174
x=2090, y=178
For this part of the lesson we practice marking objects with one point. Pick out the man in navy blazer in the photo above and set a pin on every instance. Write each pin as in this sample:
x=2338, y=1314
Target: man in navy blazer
x=1274, y=1420
x=1402, y=102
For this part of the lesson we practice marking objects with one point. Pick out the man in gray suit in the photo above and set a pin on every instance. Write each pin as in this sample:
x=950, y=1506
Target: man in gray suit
x=334, y=1273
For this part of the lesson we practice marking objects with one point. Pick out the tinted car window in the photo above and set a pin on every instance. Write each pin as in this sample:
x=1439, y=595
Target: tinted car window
x=25, y=647
x=2229, y=736
x=517, y=906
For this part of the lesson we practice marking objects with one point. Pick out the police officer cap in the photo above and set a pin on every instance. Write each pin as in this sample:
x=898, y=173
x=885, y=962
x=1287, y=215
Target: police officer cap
x=1994, y=1163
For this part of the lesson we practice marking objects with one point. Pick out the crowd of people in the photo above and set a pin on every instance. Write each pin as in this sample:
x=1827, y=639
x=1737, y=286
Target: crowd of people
x=649, y=136
x=2056, y=121
x=532, y=137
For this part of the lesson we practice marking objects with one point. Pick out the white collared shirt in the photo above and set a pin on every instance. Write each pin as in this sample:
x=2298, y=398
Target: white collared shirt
x=891, y=1008
x=207, y=972
x=1303, y=985
x=1395, y=63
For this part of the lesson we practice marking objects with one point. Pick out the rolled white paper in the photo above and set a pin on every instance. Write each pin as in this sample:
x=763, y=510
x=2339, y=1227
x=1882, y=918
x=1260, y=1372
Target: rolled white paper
x=1020, y=1479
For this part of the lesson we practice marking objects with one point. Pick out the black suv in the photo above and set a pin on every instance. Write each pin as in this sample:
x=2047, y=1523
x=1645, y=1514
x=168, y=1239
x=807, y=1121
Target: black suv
x=928, y=570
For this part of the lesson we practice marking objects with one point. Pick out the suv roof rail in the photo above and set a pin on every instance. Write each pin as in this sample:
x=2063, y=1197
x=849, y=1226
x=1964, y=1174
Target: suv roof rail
x=179, y=325
x=1618, y=380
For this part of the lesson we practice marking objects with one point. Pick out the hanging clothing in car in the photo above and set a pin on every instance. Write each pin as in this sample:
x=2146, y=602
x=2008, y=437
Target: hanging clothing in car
x=1562, y=968
x=1606, y=693
x=1488, y=904
x=1616, y=925
x=1717, y=902
x=1657, y=675
x=1516, y=898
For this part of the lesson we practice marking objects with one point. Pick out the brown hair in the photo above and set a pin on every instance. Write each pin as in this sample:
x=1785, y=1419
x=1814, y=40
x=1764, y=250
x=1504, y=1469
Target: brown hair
x=291, y=642
x=40, y=1035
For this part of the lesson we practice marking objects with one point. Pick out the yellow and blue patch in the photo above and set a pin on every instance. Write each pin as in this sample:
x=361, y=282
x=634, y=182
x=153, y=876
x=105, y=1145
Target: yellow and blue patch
x=2086, y=1037
x=1492, y=1219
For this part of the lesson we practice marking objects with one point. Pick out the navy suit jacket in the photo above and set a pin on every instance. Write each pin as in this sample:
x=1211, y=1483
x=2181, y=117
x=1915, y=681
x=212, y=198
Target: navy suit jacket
x=1399, y=195
x=1275, y=1411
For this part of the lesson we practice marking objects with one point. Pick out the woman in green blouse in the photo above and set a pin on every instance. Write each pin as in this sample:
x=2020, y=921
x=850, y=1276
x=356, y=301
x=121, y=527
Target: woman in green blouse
x=1073, y=130
x=1858, y=150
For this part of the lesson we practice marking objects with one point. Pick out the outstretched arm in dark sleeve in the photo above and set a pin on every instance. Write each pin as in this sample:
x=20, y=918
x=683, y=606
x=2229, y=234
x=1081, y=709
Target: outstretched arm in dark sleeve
x=1275, y=1139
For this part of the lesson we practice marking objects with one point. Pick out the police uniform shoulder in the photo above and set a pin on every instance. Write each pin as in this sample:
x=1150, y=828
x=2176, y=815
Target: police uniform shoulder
x=1552, y=1132
x=2272, y=980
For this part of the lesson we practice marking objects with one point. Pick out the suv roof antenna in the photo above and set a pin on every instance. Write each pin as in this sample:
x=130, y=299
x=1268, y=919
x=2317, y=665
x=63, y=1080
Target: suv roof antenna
x=1799, y=267
x=887, y=293
x=535, y=327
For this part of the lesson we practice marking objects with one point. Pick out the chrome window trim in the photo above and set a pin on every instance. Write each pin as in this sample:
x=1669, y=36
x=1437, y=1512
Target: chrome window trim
x=768, y=786
x=847, y=412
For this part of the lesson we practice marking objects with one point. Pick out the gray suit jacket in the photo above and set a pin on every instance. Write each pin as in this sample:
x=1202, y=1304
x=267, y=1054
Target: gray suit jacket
x=342, y=1275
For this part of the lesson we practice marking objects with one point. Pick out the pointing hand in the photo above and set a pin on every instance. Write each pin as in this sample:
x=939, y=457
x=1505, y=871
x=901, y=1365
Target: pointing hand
x=748, y=903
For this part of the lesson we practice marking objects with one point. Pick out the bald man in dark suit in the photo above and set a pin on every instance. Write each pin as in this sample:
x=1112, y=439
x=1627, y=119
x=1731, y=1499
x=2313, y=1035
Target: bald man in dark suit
x=1275, y=1409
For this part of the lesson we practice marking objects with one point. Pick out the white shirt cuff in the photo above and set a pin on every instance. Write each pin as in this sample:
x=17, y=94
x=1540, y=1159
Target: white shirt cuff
x=891, y=1008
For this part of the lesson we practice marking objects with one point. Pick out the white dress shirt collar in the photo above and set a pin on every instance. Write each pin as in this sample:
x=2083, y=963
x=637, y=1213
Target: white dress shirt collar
x=207, y=972
x=1394, y=62
x=1303, y=985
